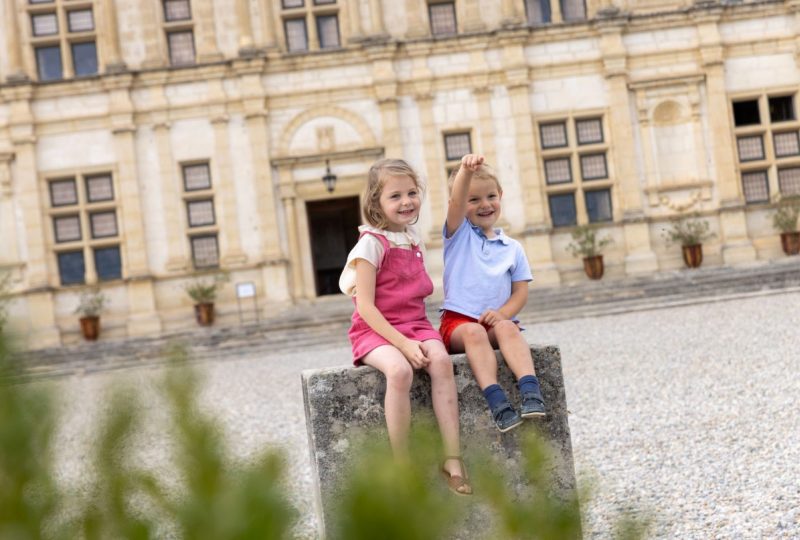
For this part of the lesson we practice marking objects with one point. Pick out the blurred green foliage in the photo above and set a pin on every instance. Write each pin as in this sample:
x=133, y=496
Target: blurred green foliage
x=215, y=497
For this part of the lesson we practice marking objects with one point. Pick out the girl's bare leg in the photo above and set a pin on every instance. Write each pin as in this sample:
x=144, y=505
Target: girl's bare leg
x=445, y=401
x=397, y=403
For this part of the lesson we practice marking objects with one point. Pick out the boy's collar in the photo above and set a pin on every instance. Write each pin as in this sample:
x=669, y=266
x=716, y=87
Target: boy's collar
x=498, y=231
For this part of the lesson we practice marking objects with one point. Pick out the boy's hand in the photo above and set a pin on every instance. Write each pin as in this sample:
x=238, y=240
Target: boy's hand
x=414, y=353
x=491, y=317
x=472, y=162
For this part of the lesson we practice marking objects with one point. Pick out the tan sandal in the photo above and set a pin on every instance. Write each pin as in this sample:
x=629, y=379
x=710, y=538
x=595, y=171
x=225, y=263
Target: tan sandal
x=455, y=483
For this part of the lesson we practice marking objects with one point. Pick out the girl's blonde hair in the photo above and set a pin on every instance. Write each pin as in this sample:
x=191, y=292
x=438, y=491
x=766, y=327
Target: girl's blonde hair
x=371, y=205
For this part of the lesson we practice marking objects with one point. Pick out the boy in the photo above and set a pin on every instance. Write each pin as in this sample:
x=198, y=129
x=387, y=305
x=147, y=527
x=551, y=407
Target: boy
x=486, y=277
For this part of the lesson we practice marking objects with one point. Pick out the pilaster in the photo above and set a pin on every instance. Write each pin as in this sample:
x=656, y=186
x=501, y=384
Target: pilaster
x=483, y=95
x=436, y=189
x=512, y=15
x=231, y=249
x=15, y=70
x=417, y=14
x=110, y=38
x=639, y=255
x=288, y=199
x=206, y=33
x=470, y=14
x=243, y=18
x=736, y=244
x=9, y=255
x=377, y=27
x=153, y=38
x=355, y=26
x=43, y=329
x=178, y=260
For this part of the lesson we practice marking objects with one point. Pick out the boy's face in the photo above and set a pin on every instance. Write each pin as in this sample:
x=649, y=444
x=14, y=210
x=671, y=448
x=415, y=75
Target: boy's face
x=483, y=203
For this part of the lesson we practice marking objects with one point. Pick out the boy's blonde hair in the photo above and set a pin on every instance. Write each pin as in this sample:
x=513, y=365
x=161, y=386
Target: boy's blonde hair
x=376, y=178
x=484, y=172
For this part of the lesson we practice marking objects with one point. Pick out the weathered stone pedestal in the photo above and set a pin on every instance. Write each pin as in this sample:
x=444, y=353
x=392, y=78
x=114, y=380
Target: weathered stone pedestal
x=342, y=402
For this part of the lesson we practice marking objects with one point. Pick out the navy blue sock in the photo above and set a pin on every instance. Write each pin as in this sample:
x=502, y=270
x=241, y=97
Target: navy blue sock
x=494, y=395
x=528, y=383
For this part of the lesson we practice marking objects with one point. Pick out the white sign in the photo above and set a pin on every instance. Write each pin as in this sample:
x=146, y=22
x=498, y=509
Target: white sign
x=245, y=290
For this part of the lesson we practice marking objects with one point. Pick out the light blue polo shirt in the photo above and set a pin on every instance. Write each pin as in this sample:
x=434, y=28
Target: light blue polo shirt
x=478, y=271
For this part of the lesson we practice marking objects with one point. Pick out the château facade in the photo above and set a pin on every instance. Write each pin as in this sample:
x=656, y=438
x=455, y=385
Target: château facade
x=143, y=142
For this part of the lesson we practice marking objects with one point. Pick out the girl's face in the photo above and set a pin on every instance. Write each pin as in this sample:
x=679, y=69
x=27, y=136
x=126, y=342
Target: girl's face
x=399, y=202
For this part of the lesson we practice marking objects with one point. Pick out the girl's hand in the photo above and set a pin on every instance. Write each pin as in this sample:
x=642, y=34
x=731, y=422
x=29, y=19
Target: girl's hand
x=472, y=162
x=491, y=317
x=415, y=353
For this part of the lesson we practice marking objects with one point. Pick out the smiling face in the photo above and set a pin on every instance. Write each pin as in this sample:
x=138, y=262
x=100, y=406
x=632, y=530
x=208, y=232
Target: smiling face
x=399, y=202
x=483, y=204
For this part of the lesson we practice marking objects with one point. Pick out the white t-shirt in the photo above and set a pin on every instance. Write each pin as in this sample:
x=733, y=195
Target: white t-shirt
x=370, y=249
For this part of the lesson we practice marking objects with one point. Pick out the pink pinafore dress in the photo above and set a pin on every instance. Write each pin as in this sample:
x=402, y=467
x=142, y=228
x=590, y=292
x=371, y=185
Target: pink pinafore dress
x=401, y=286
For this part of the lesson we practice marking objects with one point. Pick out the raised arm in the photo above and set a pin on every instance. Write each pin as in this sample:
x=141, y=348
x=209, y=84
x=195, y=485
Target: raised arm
x=365, y=304
x=457, y=207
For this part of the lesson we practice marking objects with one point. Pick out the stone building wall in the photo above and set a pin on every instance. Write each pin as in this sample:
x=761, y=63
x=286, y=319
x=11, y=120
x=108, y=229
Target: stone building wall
x=650, y=86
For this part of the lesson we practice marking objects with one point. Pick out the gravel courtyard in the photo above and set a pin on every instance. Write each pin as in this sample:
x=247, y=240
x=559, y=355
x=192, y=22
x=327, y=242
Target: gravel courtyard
x=688, y=414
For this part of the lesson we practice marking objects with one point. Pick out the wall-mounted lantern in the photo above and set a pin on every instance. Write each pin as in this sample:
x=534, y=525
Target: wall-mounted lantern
x=329, y=179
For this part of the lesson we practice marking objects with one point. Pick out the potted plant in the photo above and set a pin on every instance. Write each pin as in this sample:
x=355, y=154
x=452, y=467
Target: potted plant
x=586, y=244
x=90, y=305
x=689, y=232
x=785, y=220
x=204, y=292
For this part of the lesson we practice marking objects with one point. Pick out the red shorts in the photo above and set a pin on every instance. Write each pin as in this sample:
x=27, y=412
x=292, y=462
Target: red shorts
x=451, y=320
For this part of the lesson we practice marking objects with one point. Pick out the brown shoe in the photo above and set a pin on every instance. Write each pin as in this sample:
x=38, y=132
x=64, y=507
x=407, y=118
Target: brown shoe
x=455, y=483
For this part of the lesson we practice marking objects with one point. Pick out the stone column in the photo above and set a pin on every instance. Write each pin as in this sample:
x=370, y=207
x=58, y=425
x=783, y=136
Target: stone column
x=736, y=244
x=110, y=38
x=171, y=200
x=231, y=249
x=143, y=318
x=205, y=34
x=243, y=18
x=639, y=255
x=288, y=198
x=15, y=71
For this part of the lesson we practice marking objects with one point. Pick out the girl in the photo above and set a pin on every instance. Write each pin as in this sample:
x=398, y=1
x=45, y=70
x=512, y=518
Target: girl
x=390, y=331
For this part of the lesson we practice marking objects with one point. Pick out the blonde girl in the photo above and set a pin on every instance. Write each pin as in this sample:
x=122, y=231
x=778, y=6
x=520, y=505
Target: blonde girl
x=385, y=274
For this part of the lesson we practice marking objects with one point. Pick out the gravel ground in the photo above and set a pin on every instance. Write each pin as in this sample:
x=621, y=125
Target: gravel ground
x=686, y=415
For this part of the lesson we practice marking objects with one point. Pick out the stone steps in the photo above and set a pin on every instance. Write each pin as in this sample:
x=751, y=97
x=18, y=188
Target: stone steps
x=325, y=322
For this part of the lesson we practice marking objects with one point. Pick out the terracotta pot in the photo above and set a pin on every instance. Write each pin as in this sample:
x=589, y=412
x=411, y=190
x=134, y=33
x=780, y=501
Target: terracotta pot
x=790, y=241
x=90, y=328
x=204, y=313
x=693, y=255
x=593, y=266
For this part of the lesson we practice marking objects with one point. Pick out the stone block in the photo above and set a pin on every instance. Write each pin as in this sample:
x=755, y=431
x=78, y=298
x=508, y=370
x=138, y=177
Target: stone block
x=343, y=402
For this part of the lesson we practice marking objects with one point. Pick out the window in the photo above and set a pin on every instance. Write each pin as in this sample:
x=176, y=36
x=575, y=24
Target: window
x=537, y=11
x=63, y=39
x=86, y=234
x=311, y=25
x=296, y=36
x=179, y=31
x=443, y=18
x=574, y=161
x=768, y=152
x=573, y=10
x=456, y=146
x=200, y=215
x=328, y=31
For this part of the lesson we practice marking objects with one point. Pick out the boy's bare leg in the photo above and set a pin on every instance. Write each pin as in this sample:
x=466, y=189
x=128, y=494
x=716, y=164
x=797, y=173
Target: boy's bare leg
x=397, y=403
x=445, y=401
x=472, y=339
x=516, y=351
